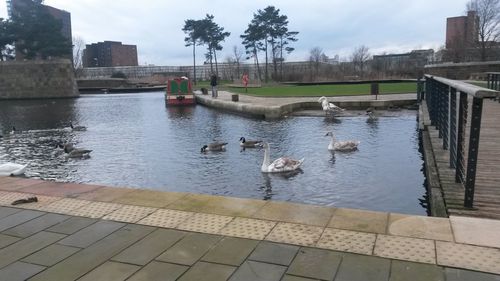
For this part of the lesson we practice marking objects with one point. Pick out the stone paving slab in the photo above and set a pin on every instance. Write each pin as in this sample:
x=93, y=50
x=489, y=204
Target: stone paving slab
x=248, y=228
x=104, y=194
x=129, y=213
x=275, y=253
x=51, y=255
x=359, y=220
x=347, y=241
x=6, y=211
x=257, y=271
x=58, y=189
x=295, y=213
x=476, y=231
x=159, y=271
x=468, y=257
x=403, y=271
x=18, y=218
x=27, y=246
x=420, y=227
x=111, y=271
x=149, y=247
x=95, y=210
x=230, y=251
x=315, y=264
x=206, y=223
x=72, y=225
x=362, y=268
x=166, y=218
x=19, y=271
x=149, y=198
x=6, y=240
x=207, y=271
x=89, y=258
x=297, y=234
x=454, y=274
x=35, y=225
x=91, y=234
x=190, y=249
x=405, y=248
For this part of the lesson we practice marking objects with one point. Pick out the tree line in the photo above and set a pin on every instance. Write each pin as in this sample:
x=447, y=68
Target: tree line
x=32, y=33
x=267, y=32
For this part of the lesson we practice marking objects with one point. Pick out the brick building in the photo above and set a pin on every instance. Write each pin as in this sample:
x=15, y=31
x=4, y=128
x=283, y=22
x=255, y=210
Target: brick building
x=462, y=31
x=63, y=16
x=109, y=54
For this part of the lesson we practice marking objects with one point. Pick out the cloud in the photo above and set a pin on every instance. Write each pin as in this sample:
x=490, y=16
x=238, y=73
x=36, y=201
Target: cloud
x=336, y=26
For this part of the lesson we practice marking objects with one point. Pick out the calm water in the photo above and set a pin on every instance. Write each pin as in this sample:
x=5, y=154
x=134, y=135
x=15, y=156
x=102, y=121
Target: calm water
x=138, y=142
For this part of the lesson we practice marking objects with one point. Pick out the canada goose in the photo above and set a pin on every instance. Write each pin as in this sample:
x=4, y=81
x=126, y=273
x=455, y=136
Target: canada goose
x=76, y=152
x=215, y=146
x=282, y=164
x=250, y=143
x=342, y=145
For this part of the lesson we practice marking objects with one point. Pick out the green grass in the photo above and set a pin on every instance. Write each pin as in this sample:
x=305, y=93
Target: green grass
x=326, y=90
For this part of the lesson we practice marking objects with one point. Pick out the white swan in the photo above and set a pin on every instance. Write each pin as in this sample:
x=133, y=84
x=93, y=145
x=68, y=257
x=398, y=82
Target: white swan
x=283, y=164
x=12, y=169
x=329, y=107
x=342, y=145
x=215, y=146
x=250, y=143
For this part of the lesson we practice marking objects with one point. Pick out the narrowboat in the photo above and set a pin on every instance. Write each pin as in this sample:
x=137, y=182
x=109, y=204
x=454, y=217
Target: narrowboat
x=179, y=92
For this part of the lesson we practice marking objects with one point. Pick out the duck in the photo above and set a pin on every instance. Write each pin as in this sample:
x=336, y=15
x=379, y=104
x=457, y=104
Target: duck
x=329, y=107
x=371, y=115
x=215, y=146
x=72, y=152
x=250, y=143
x=341, y=145
x=12, y=169
x=77, y=128
x=282, y=164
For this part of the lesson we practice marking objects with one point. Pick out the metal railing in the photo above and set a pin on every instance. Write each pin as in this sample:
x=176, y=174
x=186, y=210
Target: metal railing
x=447, y=102
x=494, y=81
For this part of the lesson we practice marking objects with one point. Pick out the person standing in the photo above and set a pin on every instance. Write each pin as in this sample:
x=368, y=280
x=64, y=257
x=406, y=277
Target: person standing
x=213, y=83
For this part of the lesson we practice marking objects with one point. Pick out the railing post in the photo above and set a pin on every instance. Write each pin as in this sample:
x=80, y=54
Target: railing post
x=445, y=113
x=475, y=129
x=462, y=122
x=453, y=127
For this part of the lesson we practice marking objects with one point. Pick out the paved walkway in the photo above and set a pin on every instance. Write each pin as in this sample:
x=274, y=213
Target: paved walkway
x=89, y=232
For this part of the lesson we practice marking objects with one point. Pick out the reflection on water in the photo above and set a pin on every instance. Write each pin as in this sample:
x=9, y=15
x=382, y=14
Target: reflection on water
x=138, y=142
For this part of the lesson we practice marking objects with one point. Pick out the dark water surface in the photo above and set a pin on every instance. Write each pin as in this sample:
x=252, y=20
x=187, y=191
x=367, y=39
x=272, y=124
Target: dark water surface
x=138, y=142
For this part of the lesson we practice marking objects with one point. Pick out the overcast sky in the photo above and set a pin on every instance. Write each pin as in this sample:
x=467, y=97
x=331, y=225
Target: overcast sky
x=336, y=26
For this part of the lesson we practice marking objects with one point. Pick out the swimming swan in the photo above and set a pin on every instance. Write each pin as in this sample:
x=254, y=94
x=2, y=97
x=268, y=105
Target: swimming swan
x=341, y=145
x=283, y=164
x=215, y=146
x=250, y=143
x=12, y=169
x=329, y=107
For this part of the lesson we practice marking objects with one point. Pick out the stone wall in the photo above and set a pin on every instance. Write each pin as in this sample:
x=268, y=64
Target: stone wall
x=462, y=71
x=37, y=79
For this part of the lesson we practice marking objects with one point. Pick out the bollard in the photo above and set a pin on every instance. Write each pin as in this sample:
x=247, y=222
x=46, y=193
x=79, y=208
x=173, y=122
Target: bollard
x=235, y=97
x=374, y=90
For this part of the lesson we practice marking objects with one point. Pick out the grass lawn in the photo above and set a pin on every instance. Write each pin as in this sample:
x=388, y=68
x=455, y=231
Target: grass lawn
x=326, y=90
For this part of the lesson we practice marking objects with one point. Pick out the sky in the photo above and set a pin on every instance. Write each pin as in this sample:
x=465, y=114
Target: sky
x=335, y=26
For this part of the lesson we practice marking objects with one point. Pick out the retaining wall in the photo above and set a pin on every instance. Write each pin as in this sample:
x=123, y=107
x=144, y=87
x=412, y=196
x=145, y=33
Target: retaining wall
x=37, y=79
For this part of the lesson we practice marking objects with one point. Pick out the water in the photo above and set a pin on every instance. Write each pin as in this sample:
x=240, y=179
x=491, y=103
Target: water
x=138, y=142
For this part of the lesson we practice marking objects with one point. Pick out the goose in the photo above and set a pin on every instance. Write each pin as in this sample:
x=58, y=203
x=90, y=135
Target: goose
x=215, y=146
x=371, y=115
x=12, y=169
x=329, y=107
x=77, y=128
x=283, y=164
x=76, y=152
x=341, y=145
x=250, y=143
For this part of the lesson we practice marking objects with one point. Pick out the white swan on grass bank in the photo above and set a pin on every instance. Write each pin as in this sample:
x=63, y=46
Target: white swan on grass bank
x=282, y=164
x=12, y=169
x=335, y=145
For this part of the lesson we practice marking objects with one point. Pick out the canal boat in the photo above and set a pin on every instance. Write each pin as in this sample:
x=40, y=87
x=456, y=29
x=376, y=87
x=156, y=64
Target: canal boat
x=179, y=92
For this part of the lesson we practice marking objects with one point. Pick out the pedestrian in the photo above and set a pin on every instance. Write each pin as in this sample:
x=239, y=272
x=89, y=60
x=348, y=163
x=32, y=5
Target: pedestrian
x=213, y=83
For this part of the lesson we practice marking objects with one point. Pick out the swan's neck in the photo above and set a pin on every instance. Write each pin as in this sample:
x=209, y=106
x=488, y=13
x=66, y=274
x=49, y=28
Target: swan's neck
x=266, y=162
x=332, y=142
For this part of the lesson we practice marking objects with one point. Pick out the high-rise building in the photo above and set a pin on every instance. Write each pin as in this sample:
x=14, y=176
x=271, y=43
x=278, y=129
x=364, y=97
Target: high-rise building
x=462, y=31
x=109, y=53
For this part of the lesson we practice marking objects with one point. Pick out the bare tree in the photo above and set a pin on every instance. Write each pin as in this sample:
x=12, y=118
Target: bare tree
x=237, y=56
x=488, y=23
x=316, y=56
x=359, y=58
x=78, y=47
